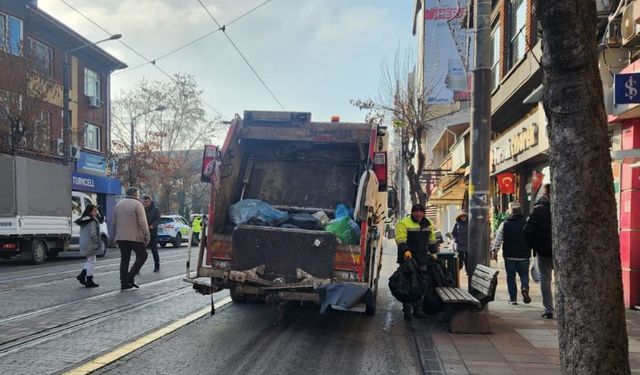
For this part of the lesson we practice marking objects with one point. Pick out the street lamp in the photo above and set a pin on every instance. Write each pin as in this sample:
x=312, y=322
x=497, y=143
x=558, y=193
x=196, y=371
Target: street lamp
x=66, y=126
x=159, y=108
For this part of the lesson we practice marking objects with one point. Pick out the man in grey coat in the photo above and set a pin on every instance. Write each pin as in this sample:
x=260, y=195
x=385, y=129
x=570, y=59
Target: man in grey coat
x=131, y=232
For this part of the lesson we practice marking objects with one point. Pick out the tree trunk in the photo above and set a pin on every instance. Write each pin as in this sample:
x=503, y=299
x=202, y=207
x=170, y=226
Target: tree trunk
x=590, y=310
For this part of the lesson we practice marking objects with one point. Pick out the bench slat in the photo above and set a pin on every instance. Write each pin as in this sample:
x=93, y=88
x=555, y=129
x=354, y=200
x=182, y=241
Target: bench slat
x=456, y=295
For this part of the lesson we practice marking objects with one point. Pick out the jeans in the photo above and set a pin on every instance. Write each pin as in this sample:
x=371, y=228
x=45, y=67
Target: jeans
x=521, y=267
x=153, y=245
x=545, y=265
x=126, y=247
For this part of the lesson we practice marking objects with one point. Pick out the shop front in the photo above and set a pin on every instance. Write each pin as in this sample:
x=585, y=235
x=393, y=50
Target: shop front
x=625, y=129
x=90, y=177
x=519, y=163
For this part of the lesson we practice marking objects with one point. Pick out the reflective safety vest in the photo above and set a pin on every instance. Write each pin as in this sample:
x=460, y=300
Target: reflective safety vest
x=419, y=238
x=196, y=225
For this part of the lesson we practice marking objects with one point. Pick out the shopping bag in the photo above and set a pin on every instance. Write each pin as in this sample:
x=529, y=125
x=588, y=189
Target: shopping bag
x=535, y=271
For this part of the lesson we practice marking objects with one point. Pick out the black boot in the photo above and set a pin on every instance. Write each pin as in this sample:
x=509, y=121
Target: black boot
x=407, y=308
x=82, y=277
x=156, y=268
x=90, y=283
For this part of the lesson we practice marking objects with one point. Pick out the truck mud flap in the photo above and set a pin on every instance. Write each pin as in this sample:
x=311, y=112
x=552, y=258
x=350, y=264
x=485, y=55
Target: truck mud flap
x=283, y=251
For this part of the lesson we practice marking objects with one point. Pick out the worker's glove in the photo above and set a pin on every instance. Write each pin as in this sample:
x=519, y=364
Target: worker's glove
x=407, y=255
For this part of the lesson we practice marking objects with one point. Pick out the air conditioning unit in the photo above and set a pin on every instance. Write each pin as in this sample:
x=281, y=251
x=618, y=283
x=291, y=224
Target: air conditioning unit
x=630, y=26
x=59, y=146
x=94, y=102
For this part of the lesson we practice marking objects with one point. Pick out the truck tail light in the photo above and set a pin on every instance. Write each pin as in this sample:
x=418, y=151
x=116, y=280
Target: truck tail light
x=380, y=169
x=9, y=246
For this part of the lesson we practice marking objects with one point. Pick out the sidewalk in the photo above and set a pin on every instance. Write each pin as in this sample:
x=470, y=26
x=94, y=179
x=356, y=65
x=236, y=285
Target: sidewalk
x=521, y=341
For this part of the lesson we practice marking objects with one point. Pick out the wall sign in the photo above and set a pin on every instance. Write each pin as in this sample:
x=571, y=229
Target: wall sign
x=520, y=143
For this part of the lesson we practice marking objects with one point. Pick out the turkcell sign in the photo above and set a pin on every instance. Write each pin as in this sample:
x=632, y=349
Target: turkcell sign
x=627, y=88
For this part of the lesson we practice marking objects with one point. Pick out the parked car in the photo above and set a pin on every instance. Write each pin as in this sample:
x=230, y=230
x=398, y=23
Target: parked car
x=173, y=229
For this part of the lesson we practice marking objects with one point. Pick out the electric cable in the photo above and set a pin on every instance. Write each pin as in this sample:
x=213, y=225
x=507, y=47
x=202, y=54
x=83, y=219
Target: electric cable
x=223, y=28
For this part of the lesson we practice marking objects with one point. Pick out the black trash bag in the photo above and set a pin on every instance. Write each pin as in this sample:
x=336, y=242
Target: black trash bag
x=438, y=277
x=303, y=221
x=406, y=284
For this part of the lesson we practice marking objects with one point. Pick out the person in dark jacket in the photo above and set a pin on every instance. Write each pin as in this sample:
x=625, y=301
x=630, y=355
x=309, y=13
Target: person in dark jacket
x=516, y=253
x=90, y=243
x=460, y=235
x=537, y=232
x=153, y=219
x=416, y=239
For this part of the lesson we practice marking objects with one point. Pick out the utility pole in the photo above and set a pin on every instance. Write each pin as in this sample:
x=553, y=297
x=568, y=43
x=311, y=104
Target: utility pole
x=480, y=138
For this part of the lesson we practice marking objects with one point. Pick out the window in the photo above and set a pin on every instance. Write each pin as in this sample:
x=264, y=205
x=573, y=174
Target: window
x=91, y=83
x=495, y=56
x=75, y=206
x=91, y=137
x=11, y=34
x=42, y=56
x=42, y=132
x=517, y=21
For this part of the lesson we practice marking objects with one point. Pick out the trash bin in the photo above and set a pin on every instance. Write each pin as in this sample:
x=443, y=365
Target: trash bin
x=449, y=260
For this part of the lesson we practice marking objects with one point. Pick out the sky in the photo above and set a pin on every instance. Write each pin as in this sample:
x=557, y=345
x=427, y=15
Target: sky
x=314, y=55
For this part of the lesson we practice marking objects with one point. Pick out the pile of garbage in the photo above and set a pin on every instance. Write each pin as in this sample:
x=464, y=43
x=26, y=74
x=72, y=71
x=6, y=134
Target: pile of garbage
x=257, y=212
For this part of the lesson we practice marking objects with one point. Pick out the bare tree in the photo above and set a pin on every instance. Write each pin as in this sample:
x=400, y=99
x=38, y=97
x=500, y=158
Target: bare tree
x=25, y=96
x=591, y=321
x=166, y=141
x=409, y=111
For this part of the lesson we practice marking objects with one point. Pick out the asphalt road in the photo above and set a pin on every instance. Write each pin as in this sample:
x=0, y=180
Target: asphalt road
x=49, y=324
x=240, y=339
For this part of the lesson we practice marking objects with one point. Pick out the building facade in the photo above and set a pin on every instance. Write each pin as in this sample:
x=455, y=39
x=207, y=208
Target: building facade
x=36, y=44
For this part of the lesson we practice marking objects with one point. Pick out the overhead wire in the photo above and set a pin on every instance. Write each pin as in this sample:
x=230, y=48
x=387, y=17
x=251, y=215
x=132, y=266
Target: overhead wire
x=192, y=42
x=172, y=78
x=223, y=28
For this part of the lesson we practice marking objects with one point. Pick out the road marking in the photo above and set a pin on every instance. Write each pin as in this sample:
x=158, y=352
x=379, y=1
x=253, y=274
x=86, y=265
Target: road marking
x=128, y=348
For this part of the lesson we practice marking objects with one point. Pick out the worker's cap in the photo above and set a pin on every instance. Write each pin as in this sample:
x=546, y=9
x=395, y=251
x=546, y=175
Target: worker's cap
x=417, y=207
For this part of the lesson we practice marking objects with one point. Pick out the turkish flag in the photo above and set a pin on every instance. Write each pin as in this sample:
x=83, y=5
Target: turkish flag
x=506, y=182
x=536, y=181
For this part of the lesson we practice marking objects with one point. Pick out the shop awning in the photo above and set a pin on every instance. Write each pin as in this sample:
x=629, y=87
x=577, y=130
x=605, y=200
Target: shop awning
x=450, y=190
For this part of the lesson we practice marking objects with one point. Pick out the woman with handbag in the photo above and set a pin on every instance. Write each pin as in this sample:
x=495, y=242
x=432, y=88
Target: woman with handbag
x=90, y=243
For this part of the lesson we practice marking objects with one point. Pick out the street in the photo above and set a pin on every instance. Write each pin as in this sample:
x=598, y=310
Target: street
x=50, y=324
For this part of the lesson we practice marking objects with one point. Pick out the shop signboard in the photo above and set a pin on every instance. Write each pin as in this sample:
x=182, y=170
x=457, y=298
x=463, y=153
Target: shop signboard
x=522, y=142
x=92, y=164
x=95, y=184
x=627, y=88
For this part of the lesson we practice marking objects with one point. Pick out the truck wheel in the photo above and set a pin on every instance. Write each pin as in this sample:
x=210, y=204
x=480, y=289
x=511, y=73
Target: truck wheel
x=38, y=251
x=52, y=254
x=178, y=241
x=238, y=297
x=103, y=248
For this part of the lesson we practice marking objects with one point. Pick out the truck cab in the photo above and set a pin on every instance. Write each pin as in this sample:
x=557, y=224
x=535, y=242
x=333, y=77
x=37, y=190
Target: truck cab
x=296, y=166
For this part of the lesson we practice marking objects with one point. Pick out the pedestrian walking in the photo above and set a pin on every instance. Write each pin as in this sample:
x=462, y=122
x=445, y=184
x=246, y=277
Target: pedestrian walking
x=460, y=235
x=196, y=227
x=538, y=235
x=416, y=239
x=90, y=243
x=515, y=251
x=153, y=219
x=131, y=232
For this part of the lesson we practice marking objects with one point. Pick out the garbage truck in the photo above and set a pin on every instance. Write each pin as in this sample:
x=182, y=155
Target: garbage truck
x=296, y=212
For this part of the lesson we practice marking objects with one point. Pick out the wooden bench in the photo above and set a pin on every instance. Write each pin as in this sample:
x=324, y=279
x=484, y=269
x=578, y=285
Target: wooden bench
x=464, y=311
